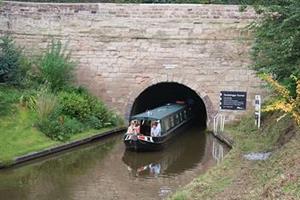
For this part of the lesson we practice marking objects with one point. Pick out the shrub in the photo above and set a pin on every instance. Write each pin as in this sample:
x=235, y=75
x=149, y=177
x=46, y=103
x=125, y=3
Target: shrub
x=94, y=122
x=15, y=68
x=44, y=104
x=55, y=66
x=27, y=76
x=75, y=104
x=53, y=129
x=115, y=120
x=28, y=99
x=51, y=121
x=99, y=110
x=284, y=102
x=72, y=125
x=276, y=49
x=10, y=57
x=70, y=112
x=79, y=104
x=59, y=127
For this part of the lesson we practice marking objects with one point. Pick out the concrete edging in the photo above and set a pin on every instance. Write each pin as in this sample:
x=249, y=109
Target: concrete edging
x=222, y=136
x=60, y=148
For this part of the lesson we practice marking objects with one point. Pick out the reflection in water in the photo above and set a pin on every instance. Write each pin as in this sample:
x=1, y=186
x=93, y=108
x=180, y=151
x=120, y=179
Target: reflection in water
x=104, y=170
x=185, y=152
x=217, y=151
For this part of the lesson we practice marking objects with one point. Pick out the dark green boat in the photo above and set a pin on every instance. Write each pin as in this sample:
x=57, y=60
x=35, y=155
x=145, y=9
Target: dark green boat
x=167, y=120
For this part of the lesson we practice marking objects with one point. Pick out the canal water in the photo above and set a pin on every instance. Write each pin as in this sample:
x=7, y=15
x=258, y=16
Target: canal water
x=105, y=170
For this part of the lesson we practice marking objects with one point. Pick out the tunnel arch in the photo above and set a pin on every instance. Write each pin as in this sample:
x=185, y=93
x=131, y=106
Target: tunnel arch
x=170, y=91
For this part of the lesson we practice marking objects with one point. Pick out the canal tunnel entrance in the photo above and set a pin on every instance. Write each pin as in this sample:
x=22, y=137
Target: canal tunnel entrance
x=170, y=92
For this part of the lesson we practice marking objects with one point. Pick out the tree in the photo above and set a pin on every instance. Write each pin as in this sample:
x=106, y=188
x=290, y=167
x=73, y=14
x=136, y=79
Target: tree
x=276, y=50
x=10, y=57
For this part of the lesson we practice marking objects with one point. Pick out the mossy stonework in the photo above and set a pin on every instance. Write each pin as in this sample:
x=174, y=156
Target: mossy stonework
x=122, y=49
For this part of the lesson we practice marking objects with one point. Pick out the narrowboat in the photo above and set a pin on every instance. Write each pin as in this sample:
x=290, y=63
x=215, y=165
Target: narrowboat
x=156, y=127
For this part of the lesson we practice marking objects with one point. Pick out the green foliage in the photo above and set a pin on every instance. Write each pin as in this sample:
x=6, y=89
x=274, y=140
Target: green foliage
x=114, y=119
x=94, y=122
x=28, y=76
x=60, y=128
x=180, y=195
x=19, y=137
x=276, y=50
x=10, y=57
x=84, y=107
x=28, y=99
x=76, y=104
x=60, y=110
x=15, y=68
x=55, y=66
x=51, y=119
x=263, y=139
x=8, y=97
x=74, y=111
x=44, y=104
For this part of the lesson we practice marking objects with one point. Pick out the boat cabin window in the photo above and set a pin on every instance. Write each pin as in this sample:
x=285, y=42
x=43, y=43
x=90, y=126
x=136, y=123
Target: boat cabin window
x=177, y=121
x=166, y=124
x=184, y=114
x=171, y=121
x=180, y=117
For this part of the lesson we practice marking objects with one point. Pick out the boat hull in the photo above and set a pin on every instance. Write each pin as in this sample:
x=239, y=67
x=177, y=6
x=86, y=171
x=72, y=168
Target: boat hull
x=157, y=143
x=140, y=145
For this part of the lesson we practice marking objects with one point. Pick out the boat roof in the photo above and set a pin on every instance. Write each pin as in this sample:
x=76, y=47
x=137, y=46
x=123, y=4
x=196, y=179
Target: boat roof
x=159, y=112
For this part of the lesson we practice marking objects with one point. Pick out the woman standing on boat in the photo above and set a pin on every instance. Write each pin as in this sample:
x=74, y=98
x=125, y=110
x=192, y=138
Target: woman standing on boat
x=137, y=128
x=134, y=127
x=131, y=127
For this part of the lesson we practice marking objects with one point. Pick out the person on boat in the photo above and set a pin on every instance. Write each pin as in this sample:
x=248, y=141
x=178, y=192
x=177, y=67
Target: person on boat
x=155, y=129
x=137, y=128
x=130, y=129
x=158, y=127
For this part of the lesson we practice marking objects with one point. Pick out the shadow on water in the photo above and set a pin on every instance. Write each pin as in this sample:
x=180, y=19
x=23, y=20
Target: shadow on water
x=104, y=170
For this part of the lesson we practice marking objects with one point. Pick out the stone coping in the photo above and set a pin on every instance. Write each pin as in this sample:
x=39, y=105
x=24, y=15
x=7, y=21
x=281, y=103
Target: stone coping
x=61, y=148
x=148, y=4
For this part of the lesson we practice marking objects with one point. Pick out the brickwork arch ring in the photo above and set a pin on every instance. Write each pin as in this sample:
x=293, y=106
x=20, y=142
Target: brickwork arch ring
x=135, y=92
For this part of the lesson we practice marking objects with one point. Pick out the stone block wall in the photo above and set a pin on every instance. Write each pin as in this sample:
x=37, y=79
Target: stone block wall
x=121, y=49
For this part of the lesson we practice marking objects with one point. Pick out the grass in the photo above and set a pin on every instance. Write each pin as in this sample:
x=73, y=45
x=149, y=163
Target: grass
x=18, y=136
x=248, y=138
x=237, y=178
x=8, y=96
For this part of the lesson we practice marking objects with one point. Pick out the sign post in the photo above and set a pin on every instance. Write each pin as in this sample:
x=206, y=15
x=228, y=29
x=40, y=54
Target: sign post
x=257, y=110
x=233, y=100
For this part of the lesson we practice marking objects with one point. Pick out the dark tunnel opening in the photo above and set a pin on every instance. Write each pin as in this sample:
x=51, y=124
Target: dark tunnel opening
x=170, y=92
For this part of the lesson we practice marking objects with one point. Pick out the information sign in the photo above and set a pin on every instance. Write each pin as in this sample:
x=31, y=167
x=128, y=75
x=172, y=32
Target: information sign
x=233, y=100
